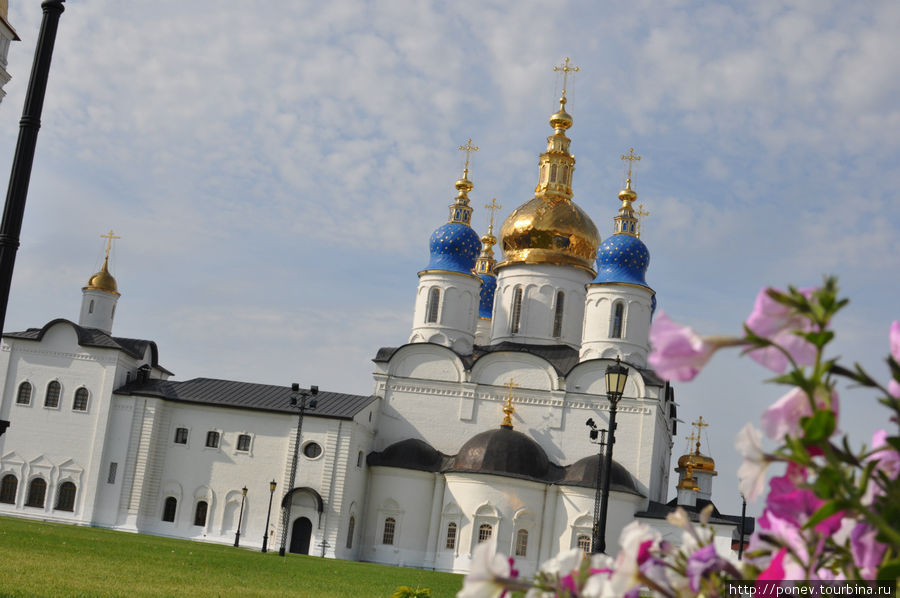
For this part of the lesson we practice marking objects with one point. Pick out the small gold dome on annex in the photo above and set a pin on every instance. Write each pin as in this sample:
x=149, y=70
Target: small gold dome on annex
x=103, y=281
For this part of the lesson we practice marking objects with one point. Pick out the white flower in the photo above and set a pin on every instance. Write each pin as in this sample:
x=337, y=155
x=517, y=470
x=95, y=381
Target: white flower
x=487, y=576
x=752, y=472
x=598, y=584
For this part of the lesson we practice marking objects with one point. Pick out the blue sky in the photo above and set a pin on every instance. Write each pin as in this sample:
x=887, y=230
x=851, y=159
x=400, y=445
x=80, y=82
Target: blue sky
x=275, y=169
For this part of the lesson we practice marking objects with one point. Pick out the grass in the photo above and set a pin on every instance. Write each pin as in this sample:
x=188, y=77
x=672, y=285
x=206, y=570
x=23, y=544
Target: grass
x=48, y=559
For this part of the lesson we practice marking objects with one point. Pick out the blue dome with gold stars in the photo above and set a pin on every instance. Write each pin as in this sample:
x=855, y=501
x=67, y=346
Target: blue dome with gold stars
x=488, y=287
x=454, y=247
x=622, y=258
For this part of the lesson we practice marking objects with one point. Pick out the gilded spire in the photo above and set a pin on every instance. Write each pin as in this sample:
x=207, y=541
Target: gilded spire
x=103, y=280
x=508, y=409
x=557, y=164
x=625, y=221
x=460, y=210
x=486, y=262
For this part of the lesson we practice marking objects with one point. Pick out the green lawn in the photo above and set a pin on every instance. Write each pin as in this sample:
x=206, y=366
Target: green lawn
x=46, y=559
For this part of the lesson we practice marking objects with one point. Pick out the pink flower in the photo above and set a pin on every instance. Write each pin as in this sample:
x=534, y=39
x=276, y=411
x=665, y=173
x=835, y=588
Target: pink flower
x=783, y=417
x=678, y=352
x=893, y=385
x=488, y=575
x=701, y=564
x=776, y=322
x=867, y=552
x=775, y=570
x=796, y=505
x=752, y=472
x=888, y=463
x=635, y=560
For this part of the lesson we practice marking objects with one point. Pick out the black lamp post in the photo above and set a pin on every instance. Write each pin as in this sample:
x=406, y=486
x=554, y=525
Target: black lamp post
x=237, y=534
x=743, y=522
x=594, y=434
x=302, y=406
x=265, y=547
x=616, y=375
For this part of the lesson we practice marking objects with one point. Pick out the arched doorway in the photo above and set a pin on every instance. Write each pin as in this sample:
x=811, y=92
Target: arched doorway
x=301, y=532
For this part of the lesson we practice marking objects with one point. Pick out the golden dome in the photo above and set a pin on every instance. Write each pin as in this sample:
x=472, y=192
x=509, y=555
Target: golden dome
x=103, y=280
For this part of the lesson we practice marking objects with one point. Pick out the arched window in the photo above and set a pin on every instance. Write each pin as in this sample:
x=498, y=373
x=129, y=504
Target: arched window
x=543, y=178
x=169, y=509
x=350, y=527
x=91, y=307
x=24, y=396
x=8, y=488
x=522, y=542
x=243, y=443
x=37, y=490
x=212, y=439
x=553, y=173
x=65, y=499
x=558, y=314
x=388, y=536
x=618, y=311
x=51, y=399
x=451, y=536
x=485, y=531
x=181, y=435
x=81, y=400
x=565, y=176
x=200, y=513
x=431, y=310
x=516, y=311
x=584, y=543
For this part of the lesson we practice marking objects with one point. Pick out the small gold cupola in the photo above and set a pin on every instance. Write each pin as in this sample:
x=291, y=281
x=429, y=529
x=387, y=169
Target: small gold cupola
x=485, y=263
x=103, y=280
x=625, y=221
x=460, y=210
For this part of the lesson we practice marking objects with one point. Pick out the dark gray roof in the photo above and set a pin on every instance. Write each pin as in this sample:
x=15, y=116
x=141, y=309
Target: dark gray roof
x=563, y=358
x=658, y=510
x=92, y=337
x=246, y=395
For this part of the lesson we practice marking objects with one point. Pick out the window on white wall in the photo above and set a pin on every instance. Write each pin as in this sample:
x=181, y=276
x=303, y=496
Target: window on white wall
x=37, y=490
x=169, y=509
x=80, y=402
x=243, y=442
x=618, y=312
x=522, y=542
x=485, y=531
x=516, y=311
x=584, y=543
x=212, y=439
x=558, y=314
x=431, y=309
x=111, y=477
x=181, y=435
x=51, y=399
x=390, y=525
x=351, y=525
x=65, y=497
x=8, y=488
x=451, y=536
x=24, y=396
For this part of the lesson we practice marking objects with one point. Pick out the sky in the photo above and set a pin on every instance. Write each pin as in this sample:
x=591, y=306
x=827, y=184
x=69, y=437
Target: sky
x=275, y=170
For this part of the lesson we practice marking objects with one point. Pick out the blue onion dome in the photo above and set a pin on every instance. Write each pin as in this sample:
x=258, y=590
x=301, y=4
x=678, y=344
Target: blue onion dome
x=488, y=288
x=454, y=246
x=623, y=257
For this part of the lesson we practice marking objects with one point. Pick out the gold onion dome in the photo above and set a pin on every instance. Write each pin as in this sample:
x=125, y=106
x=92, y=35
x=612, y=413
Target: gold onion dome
x=103, y=280
x=550, y=228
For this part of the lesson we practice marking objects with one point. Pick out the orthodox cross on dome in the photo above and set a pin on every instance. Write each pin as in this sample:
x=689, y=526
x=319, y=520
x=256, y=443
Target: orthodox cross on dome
x=109, y=239
x=631, y=160
x=468, y=148
x=493, y=207
x=566, y=69
x=690, y=440
x=640, y=216
x=700, y=424
x=508, y=409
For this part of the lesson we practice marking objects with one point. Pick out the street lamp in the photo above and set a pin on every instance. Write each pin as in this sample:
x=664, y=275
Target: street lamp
x=272, y=485
x=237, y=534
x=594, y=433
x=616, y=376
x=743, y=524
x=302, y=406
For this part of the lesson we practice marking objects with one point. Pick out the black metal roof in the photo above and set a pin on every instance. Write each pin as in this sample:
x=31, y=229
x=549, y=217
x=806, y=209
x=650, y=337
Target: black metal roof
x=246, y=395
x=92, y=337
x=658, y=510
x=563, y=358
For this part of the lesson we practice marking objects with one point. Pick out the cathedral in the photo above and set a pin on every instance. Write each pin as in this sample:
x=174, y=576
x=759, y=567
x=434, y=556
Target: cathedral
x=475, y=430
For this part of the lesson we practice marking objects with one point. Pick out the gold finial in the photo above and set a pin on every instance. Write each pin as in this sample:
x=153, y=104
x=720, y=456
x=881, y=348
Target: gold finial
x=566, y=69
x=700, y=424
x=640, y=216
x=109, y=238
x=508, y=409
x=493, y=207
x=631, y=160
x=468, y=148
x=690, y=440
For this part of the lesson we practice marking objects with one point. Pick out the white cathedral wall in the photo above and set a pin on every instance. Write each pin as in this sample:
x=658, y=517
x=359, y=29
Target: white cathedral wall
x=574, y=516
x=597, y=341
x=457, y=310
x=406, y=496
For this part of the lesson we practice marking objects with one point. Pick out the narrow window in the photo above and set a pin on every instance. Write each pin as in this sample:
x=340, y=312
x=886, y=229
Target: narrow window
x=181, y=435
x=169, y=509
x=111, y=477
x=544, y=174
x=617, y=321
x=565, y=176
x=243, y=443
x=553, y=173
x=558, y=314
x=65, y=500
x=24, y=396
x=431, y=310
x=516, y=311
x=37, y=489
x=51, y=399
x=81, y=400
x=91, y=307
x=8, y=488
x=359, y=459
x=388, y=536
x=584, y=543
x=485, y=531
x=522, y=542
x=200, y=513
x=350, y=527
x=212, y=439
x=451, y=536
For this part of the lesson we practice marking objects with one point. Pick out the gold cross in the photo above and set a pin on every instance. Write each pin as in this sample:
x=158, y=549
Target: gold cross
x=508, y=409
x=631, y=160
x=690, y=440
x=700, y=425
x=566, y=69
x=109, y=238
x=493, y=207
x=468, y=148
x=640, y=214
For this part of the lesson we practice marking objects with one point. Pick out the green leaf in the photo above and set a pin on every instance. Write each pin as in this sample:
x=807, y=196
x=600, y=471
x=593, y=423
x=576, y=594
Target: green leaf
x=827, y=483
x=824, y=512
x=889, y=570
x=819, y=427
x=818, y=339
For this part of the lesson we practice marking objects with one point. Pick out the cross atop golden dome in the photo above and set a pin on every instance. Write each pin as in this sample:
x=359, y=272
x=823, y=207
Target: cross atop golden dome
x=103, y=280
x=508, y=409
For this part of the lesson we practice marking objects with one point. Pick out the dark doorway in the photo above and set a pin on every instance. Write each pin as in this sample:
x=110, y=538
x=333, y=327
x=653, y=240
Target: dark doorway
x=300, y=534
